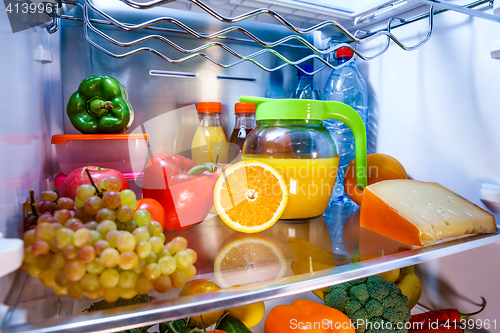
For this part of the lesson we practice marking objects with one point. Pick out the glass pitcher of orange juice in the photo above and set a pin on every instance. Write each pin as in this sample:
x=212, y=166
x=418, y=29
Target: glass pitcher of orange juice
x=290, y=137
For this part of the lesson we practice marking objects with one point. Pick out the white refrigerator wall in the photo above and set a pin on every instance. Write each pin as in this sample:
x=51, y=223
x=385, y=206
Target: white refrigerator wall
x=437, y=107
x=29, y=91
x=438, y=113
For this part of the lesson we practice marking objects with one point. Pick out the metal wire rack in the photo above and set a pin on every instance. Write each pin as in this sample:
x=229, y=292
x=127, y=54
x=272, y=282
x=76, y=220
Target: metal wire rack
x=321, y=54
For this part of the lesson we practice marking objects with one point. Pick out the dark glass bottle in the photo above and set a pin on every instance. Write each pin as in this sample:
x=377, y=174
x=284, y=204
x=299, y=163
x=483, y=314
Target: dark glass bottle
x=245, y=122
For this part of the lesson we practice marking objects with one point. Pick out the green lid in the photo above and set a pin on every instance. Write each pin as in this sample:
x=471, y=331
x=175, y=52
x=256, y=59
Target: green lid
x=298, y=109
x=268, y=108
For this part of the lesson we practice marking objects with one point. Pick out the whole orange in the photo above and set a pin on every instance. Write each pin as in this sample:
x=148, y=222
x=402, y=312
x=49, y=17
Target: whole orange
x=379, y=167
x=201, y=286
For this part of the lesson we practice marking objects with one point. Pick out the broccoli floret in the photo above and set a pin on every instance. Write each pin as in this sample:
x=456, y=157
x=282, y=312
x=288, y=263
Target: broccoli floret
x=375, y=279
x=337, y=297
x=394, y=288
x=390, y=301
x=359, y=319
x=377, y=326
x=352, y=307
x=344, y=286
x=396, y=315
x=372, y=304
x=360, y=293
x=374, y=308
x=378, y=291
x=358, y=282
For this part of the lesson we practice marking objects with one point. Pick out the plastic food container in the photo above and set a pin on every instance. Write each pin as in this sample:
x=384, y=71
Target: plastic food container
x=126, y=153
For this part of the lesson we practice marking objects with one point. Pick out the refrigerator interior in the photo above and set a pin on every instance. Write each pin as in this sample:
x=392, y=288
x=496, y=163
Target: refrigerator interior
x=432, y=108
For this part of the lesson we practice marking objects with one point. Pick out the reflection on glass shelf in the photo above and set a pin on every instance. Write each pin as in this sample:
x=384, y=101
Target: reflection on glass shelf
x=286, y=259
x=232, y=258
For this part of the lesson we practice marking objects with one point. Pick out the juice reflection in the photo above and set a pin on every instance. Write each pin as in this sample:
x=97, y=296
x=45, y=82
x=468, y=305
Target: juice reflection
x=313, y=231
x=245, y=259
x=283, y=250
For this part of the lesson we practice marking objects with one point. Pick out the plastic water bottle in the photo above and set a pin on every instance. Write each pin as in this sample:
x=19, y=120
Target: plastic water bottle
x=345, y=85
x=276, y=89
x=305, y=88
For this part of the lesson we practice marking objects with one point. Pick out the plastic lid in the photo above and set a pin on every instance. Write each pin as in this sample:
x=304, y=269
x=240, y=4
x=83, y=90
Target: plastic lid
x=269, y=109
x=60, y=139
x=244, y=108
x=307, y=68
x=344, y=52
x=209, y=107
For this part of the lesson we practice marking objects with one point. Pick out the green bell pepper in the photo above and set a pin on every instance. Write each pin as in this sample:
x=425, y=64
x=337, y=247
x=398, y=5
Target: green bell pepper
x=100, y=106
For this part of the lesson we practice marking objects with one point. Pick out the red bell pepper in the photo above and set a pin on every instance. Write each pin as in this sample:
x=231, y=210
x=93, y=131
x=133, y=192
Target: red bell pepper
x=449, y=317
x=184, y=189
x=442, y=329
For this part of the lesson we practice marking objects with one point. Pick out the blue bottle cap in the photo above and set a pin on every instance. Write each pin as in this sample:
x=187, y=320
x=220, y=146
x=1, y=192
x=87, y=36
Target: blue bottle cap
x=307, y=68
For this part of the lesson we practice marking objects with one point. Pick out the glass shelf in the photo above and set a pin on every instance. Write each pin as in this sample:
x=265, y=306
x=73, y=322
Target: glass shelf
x=263, y=264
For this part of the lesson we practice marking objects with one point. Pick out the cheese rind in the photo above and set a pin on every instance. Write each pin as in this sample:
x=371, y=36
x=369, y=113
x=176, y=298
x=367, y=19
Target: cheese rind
x=420, y=213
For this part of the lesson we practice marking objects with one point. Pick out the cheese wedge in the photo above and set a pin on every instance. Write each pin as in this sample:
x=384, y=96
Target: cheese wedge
x=420, y=213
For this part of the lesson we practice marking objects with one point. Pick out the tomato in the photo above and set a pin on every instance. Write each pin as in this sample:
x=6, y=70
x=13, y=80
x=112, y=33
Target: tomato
x=216, y=331
x=153, y=207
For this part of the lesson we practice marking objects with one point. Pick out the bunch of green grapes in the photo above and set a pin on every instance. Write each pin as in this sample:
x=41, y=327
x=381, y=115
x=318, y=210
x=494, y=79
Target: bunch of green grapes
x=104, y=248
x=50, y=209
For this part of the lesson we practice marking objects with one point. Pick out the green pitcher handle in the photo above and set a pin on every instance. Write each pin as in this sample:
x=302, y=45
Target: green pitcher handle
x=347, y=115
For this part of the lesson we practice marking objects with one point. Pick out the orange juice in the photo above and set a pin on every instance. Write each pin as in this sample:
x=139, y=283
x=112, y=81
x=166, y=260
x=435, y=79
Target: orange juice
x=310, y=183
x=208, y=143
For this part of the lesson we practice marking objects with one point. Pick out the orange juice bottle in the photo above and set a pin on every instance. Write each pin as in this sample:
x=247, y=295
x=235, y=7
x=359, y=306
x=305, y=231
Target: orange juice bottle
x=209, y=142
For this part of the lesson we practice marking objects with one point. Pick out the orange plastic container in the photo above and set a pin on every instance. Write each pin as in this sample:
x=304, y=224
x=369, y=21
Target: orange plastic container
x=123, y=152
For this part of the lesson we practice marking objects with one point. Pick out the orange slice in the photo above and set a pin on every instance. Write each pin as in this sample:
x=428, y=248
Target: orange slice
x=249, y=259
x=250, y=196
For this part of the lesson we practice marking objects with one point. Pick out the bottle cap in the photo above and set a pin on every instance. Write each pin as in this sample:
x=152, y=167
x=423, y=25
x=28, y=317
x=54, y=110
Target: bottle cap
x=308, y=68
x=344, y=52
x=209, y=107
x=244, y=108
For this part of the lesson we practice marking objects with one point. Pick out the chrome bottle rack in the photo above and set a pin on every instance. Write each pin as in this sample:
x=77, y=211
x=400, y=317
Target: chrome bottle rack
x=321, y=54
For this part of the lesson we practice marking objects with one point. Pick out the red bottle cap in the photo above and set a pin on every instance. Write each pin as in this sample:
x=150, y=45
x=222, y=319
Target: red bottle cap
x=244, y=108
x=344, y=52
x=209, y=107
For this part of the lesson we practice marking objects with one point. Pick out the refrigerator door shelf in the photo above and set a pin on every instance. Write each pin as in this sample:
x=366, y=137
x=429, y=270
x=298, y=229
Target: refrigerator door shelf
x=11, y=254
x=490, y=196
x=495, y=49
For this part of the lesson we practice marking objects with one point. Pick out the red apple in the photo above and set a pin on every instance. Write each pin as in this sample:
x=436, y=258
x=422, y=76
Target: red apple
x=79, y=176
